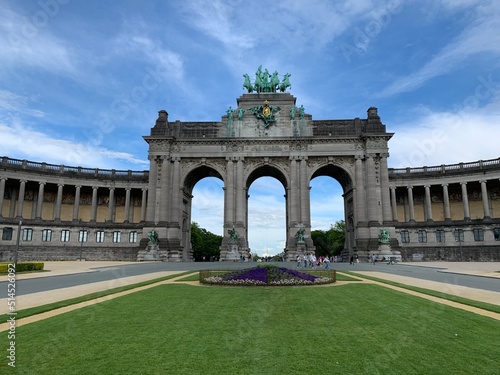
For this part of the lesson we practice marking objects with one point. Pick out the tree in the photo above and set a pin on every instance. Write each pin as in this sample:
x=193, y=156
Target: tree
x=330, y=242
x=337, y=237
x=320, y=240
x=204, y=243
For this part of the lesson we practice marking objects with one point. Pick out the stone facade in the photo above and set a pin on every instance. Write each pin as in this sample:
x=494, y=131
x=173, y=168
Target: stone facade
x=446, y=212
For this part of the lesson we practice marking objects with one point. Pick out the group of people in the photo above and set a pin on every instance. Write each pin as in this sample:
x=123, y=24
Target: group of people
x=311, y=261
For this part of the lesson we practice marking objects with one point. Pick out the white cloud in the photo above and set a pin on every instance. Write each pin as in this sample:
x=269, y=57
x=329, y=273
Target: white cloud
x=294, y=25
x=18, y=139
x=23, y=43
x=483, y=35
x=12, y=102
x=214, y=18
x=436, y=138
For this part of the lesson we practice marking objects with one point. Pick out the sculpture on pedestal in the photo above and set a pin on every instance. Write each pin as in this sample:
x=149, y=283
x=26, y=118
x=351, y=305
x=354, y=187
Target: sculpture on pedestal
x=233, y=235
x=152, y=237
x=300, y=235
x=384, y=236
x=265, y=82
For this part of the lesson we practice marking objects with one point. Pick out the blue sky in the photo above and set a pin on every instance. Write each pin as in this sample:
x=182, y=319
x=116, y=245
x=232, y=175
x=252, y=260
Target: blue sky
x=82, y=81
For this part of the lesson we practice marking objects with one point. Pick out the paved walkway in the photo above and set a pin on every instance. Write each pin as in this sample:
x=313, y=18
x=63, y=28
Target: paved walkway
x=490, y=269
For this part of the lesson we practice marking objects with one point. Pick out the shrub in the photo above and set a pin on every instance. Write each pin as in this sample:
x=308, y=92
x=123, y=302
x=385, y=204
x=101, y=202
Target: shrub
x=23, y=267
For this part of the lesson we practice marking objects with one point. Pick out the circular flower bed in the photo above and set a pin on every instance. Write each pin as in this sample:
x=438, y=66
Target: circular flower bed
x=268, y=275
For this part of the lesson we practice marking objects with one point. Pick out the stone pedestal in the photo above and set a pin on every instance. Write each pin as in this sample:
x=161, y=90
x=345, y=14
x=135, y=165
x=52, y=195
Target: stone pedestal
x=291, y=256
x=233, y=254
x=385, y=251
x=151, y=253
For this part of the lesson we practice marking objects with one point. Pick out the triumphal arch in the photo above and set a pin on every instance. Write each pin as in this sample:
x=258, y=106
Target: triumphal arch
x=268, y=134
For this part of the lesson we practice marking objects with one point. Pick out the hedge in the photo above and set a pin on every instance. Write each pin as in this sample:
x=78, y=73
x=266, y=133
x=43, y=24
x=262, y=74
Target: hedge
x=22, y=267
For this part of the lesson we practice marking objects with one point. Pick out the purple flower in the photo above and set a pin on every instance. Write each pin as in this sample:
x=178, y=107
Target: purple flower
x=267, y=275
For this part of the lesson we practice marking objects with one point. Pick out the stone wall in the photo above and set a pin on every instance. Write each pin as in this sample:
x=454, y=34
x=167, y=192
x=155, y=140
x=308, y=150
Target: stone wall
x=451, y=254
x=58, y=253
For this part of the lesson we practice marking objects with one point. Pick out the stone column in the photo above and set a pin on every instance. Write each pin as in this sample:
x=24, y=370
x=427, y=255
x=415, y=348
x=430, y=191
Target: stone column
x=39, y=206
x=360, y=191
x=13, y=201
x=111, y=204
x=93, y=210
x=176, y=190
x=428, y=205
x=34, y=205
x=144, y=204
x=371, y=193
x=486, y=204
x=20, y=199
x=384, y=185
x=151, y=203
x=465, y=201
x=394, y=204
x=76, y=205
x=305, y=214
x=410, y=204
x=162, y=191
x=446, y=203
x=240, y=193
x=294, y=194
x=2, y=192
x=127, y=205
x=229, y=218
x=57, y=207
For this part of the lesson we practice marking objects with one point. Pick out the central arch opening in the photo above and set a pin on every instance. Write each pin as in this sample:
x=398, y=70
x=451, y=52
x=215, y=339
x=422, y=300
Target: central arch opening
x=266, y=217
x=332, y=207
x=266, y=207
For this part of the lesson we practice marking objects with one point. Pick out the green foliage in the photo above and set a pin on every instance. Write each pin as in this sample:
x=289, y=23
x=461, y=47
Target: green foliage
x=330, y=242
x=23, y=267
x=205, y=244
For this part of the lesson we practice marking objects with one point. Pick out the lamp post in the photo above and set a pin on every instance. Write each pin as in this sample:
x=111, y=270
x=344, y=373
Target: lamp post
x=17, y=242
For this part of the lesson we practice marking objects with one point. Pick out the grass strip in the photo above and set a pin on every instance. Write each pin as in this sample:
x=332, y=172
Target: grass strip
x=87, y=297
x=434, y=293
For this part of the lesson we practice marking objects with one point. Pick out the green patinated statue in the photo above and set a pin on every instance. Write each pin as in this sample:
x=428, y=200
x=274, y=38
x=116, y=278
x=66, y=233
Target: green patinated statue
x=229, y=113
x=384, y=236
x=292, y=112
x=285, y=83
x=266, y=82
x=301, y=112
x=233, y=235
x=247, y=84
x=241, y=111
x=300, y=235
x=153, y=237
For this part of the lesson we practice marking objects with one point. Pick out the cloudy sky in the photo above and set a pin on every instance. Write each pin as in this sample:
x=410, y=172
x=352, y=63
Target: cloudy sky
x=82, y=81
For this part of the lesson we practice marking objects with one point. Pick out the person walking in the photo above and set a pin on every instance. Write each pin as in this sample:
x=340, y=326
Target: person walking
x=327, y=263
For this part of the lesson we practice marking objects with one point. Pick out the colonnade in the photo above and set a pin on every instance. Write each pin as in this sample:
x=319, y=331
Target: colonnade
x=17, y=201
x=427, y=204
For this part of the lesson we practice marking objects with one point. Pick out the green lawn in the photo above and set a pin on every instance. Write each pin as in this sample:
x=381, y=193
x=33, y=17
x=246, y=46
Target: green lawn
x=177, y=329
